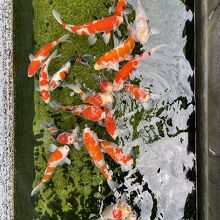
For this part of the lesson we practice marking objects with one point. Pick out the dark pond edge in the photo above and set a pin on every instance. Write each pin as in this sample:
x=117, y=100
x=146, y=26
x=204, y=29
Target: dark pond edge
x=201, y=91
x=24, y=109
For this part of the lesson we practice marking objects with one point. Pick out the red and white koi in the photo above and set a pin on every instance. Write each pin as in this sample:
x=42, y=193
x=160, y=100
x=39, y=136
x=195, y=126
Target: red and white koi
x=111, y=59
x=92, y=144
x=137, y=92
x=57, y=158
x=63, y=138
x=59, y=77
x=106, y=87
x=110, y=124
x=125, y=72
x=104, y=25
x=44, y=78
x=119, y=211
x=42, y=54
x=97, y=99
x=116, y=153
x=89, y=112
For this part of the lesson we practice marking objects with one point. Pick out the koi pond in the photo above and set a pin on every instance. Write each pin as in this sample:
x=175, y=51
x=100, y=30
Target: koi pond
x=157, y=134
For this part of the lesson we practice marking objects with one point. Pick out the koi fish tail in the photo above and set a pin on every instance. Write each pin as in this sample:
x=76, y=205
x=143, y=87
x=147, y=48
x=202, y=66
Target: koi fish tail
x=57, y=17
x=76, y=89
x=85, y=59
x=36, y=189
x=64, y=38
x=112, y=184
x=55, y=105
x=45, y=124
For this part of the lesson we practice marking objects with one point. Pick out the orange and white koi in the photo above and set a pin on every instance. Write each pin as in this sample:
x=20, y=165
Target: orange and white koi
x=89, y=112
x=97, y=99
x=104, y=25
x=57, y=158
x=106, y=87
x=59, y=77
x=111, y=59
x=41, y=56
x=44, y=78
x=110, y=124
x=125, y=72
x=63, y=138
x=137, y=92
x=116, y=153
x=119, y=211
x=120, y=7
x=92, y=144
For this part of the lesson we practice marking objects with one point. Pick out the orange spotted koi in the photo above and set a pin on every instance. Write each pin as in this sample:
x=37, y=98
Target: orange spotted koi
x=111, y=59
x=116, y=153
x=97, y=99
x=44, y=79
x=41, y=56
x=110, y=124
x=124, y=73
x=104, y=25
x=63, y=138
x=59, y=77
x=137, y=92
x=57, y=158
x=89, y=112
x=92, y=144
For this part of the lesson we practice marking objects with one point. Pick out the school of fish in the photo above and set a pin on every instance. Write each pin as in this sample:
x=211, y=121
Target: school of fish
x=96, y=106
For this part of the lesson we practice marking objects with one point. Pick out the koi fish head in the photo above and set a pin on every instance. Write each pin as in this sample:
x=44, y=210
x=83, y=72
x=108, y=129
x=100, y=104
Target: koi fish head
x=120, y=7
x=45, y=94
x=33, y=67
x=106, y=87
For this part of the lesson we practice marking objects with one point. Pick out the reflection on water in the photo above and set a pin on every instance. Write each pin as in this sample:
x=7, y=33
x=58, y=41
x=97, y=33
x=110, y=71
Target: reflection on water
x=160, y=129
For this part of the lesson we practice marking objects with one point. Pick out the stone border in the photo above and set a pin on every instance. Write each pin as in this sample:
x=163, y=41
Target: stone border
x=6, y=111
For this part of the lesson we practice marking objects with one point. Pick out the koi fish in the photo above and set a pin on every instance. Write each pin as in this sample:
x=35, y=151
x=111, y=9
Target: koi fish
x=57, y=158
x=104, y=25
x=97, y=99
x=92, y=144
x=111, y=59
x=119, y=211
x=44, y=78
x=63, y=138
x=106, y=87
x=124, y=73
x=110, y=124
x=120, y=7
x=137, y=92
x=89, y=112
x=41, y=56
x=116, y=153
x=59, y=77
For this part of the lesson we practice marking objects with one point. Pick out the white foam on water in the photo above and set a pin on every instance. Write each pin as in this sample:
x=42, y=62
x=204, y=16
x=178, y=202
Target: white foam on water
x=160, y=131
x=6, y=112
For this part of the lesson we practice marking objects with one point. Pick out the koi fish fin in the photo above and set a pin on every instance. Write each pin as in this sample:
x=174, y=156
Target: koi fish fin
x=129, y=57
x=118, y=32
x=115, y=40
x=115, y=66
x=92, y=39
x=31, y=57
x=37, y=88
x=127, y=11
x=45, y=124
x=57, y=16
x=123, y=198
x=85, y=59
x=64, y=38
x=112, y=184
x=106, y=37
x=154, y=31
x=77, y=146
x=55, y=105
x=101, y=123
x=67, y=161
x=37, y=188
x=75, y=87
x=52, y=148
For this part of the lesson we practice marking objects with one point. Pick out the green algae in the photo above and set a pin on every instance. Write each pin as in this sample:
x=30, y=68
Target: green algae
x=75, y=191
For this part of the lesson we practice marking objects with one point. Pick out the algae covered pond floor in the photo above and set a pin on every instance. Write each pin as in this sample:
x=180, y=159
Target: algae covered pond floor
x=159, y=134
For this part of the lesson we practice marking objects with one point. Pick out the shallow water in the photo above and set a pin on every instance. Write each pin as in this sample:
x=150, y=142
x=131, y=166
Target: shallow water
x=157, y=133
